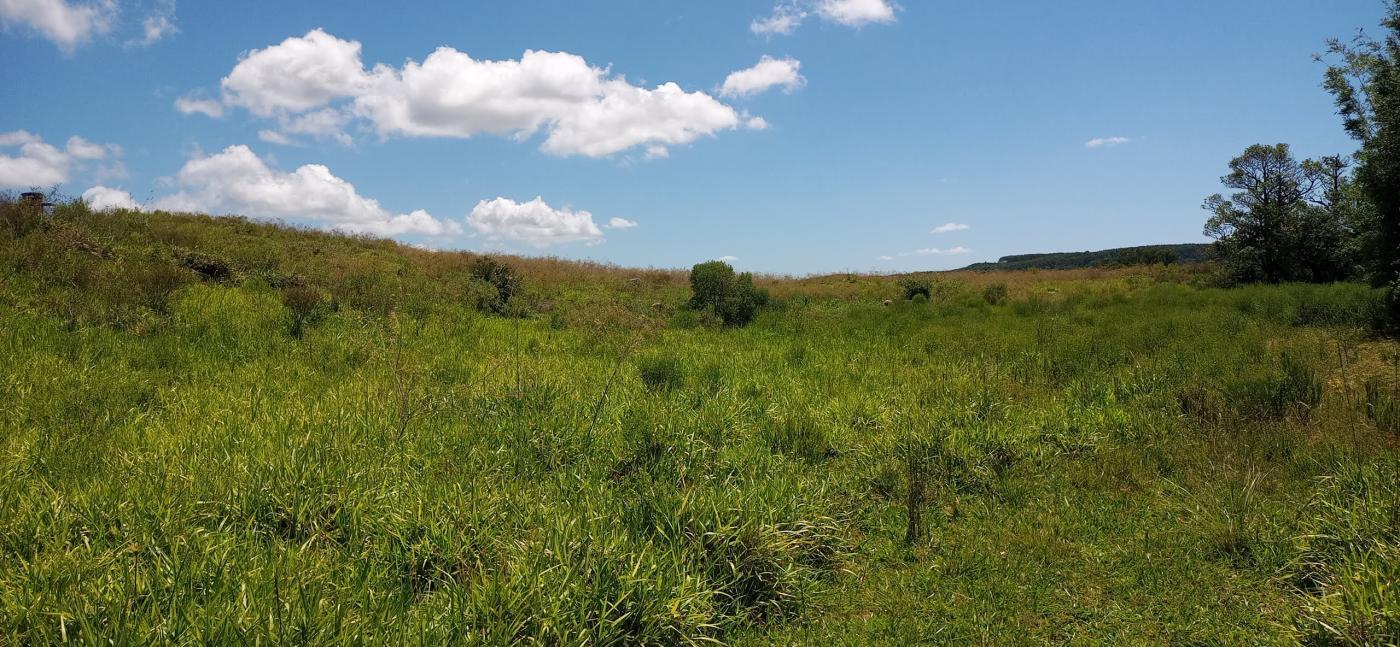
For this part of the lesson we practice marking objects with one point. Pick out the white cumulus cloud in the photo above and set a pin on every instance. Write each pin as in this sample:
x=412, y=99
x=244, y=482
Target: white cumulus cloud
x=768, y=73
x=85, y=150
x=787, y=16
x=950, y=227
x=533, y=222
x=237, y=181
x=298, y=74
x=326, y=123
x=626, y=116
x=856, y=13
x=1107, y=142
x=66, y=24
x=582, y=109
x=103, y=198
x=40, y=164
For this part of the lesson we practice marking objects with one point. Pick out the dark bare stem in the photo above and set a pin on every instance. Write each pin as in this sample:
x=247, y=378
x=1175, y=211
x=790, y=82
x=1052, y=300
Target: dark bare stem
x=914, y=505
x=519, y=388
x=607, y=388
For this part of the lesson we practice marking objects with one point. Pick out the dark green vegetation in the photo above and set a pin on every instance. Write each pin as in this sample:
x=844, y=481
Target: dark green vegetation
x=1321, y=220
x=1289, y=220
x=716, y=290
x=1108, y=258
x=217, y=431
x=1366, y=85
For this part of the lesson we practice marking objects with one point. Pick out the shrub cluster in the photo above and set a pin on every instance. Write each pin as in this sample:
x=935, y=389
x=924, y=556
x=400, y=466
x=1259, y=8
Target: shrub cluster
x=732, y=297
x=995, y=293
x=303, y=303
x=913, y=287
x=501, y=278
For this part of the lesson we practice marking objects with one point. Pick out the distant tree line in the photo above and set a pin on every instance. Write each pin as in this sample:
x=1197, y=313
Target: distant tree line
x=1107, y=258
x=1335, y=218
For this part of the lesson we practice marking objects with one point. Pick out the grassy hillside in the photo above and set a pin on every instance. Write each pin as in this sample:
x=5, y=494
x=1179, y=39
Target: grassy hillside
x=219, y=431
x=1118, y=257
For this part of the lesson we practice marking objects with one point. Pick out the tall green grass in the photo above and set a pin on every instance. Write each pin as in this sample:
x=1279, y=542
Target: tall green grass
x=358, y=449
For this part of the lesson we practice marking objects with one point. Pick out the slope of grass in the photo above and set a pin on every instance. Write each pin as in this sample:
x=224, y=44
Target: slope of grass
x=1120, y=459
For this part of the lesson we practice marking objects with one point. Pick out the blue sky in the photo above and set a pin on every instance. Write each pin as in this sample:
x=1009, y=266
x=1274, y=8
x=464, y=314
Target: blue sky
x=867, y=125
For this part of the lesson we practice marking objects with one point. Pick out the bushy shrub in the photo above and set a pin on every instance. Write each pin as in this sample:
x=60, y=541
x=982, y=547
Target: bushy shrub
x=995, y=293
x=18, y=218
x=711, y=283
x=914, y=287
x=733, y=298
x=303, y=302
x=660, y=372
x=501, y=278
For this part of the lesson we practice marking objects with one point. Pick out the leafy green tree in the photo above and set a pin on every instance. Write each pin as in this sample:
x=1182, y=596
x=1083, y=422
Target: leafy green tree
x=1287, y=220
x=710, y=284
x=1366, y=85
x=733, y=297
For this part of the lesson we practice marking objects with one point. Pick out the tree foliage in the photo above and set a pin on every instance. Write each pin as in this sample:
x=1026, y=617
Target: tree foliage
x=1287, y=220
x=732, y=297
x=1365, y=81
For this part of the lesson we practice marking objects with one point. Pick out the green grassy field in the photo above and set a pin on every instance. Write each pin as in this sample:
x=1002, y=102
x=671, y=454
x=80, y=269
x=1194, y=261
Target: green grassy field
x=1128, y=456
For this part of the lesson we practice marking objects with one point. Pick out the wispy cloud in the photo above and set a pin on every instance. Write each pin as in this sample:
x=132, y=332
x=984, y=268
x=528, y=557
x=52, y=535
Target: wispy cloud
x=928, y=251
x=788, y=15
x=66, y=24
x=157, y=26
x=1107, y=142
x=950, y=228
